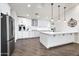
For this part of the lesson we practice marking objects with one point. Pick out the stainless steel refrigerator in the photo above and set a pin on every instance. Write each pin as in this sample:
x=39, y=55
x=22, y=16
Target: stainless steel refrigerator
x=7, y=37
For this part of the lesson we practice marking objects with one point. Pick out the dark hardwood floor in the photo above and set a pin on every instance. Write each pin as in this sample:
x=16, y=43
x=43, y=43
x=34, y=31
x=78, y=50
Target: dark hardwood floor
x=32, y=47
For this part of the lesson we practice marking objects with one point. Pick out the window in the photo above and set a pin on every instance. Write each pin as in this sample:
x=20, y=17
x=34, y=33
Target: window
x=34, y=22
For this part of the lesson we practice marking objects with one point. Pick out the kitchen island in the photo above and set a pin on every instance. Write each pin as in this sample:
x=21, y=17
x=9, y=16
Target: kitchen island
x=51, y=39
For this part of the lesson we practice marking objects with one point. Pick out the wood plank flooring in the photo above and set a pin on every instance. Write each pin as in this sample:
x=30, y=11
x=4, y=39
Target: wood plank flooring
x=32, y=47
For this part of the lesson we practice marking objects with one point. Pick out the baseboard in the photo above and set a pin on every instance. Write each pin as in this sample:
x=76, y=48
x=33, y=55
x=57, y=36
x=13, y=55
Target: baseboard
x=28, y=38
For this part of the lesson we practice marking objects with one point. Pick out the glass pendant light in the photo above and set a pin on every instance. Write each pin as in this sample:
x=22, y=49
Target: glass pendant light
x=52, y=20
x=52, y=11
x=52, y=23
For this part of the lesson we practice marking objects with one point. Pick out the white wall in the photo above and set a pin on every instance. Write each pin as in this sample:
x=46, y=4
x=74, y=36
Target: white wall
x=14, y=15
x=4, y=8
x=74, y=13
x=59, y=25
x=43, y=24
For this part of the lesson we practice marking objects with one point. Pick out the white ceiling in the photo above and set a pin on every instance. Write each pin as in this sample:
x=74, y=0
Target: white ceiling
x=44, y=9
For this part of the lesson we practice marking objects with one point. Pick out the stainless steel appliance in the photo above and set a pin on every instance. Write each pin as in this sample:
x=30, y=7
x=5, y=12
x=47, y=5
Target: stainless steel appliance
x=7, y=35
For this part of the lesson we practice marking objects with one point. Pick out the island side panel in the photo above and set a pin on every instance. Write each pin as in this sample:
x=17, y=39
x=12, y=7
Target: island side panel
x=44, y=39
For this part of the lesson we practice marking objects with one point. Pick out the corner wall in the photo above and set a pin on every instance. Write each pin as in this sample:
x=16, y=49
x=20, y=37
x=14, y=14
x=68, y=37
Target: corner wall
x=14, y=15
x=74, y=13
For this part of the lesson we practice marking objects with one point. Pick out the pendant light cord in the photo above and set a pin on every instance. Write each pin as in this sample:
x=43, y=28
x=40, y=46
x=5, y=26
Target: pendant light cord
x=64, y=14
x=51, y=10
x=58, y=12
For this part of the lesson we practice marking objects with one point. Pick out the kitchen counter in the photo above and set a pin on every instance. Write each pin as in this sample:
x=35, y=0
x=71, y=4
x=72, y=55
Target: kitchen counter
x=52, y=39
x=49, y=32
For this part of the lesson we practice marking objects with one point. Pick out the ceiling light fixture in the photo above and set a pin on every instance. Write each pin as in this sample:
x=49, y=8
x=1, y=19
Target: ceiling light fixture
x=29, y=5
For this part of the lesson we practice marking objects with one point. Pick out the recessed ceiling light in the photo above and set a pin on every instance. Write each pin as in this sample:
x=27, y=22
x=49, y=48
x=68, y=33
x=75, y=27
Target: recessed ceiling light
x=29, y=5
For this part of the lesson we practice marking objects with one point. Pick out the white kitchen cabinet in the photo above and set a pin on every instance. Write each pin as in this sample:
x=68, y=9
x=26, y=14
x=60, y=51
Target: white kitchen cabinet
x=33, y=34
x=52, y=39
x=27, y=34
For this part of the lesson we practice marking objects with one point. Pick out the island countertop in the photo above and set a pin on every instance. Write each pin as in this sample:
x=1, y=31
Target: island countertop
x=64, y=32
x=52, y=39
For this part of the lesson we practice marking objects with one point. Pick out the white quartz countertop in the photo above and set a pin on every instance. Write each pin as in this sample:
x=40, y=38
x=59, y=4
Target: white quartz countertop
x=58, y=32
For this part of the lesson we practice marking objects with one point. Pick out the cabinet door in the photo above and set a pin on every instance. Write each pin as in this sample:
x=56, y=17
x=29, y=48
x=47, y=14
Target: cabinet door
x=36, y=33
x=32, y=34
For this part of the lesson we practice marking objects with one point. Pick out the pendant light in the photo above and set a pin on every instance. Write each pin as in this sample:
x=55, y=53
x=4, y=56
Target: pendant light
x=52, y=12
x=58, y=12
x=37, y=15
x=52, y=24
x=64, y=14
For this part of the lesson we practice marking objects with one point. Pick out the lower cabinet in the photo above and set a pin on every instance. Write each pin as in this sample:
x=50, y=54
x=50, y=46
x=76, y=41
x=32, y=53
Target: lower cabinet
x=27, y=34
x=33, y=34
x=51, y=40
